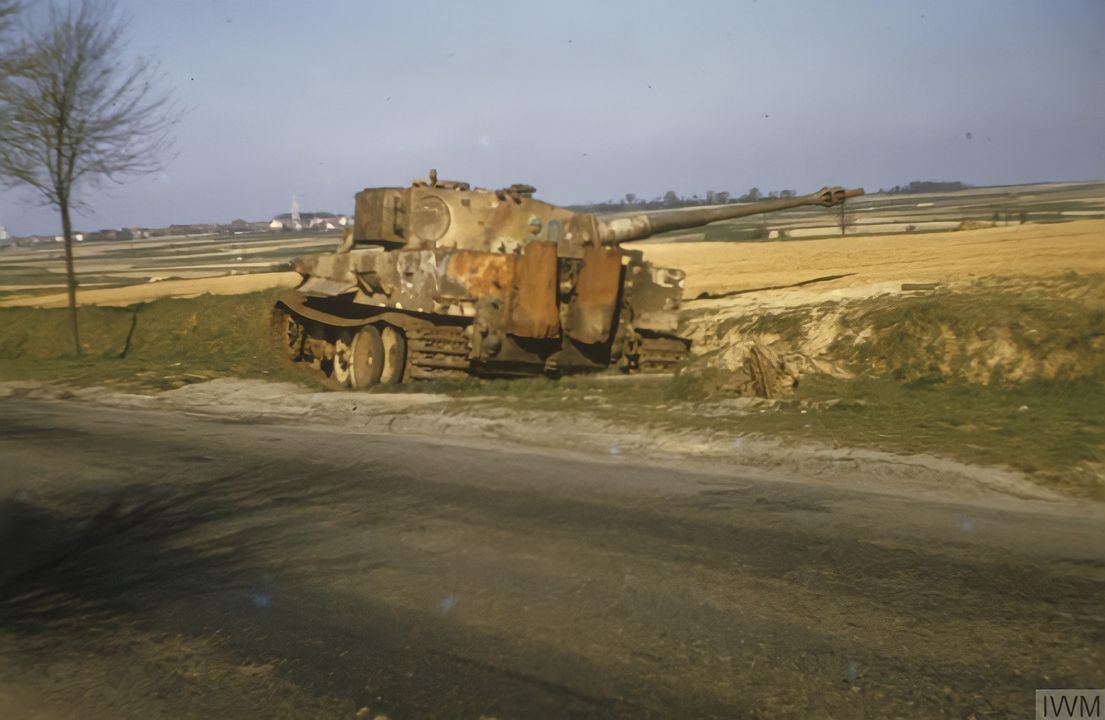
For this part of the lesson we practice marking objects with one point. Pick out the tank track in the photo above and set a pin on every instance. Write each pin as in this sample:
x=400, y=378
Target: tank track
x=660, y=354
x=439, y=352
x=433, y=352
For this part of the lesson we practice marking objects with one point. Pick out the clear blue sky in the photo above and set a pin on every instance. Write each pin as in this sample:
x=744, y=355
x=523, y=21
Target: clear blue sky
x=590, y=100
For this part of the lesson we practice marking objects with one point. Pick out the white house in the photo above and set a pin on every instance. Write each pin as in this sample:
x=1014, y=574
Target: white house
x=317, y=220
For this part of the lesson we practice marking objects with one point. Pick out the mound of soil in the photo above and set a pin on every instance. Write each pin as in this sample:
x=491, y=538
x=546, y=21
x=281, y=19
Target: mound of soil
x=991, y=331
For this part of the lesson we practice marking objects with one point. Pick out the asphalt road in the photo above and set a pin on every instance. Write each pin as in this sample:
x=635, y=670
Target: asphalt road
x=156, y=565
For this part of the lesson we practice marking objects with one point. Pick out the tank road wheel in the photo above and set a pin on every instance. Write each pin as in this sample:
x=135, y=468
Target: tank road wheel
x=367, y=358
x=343, y=360
x=631, y=354
x=289, y=333
x=395, y=355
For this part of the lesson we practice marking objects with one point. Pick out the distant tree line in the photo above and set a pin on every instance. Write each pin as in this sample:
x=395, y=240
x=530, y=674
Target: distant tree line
x=927, y=186
x=671, y=199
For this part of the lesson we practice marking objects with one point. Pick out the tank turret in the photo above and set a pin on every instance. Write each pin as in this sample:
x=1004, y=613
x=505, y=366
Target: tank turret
x=442, y=280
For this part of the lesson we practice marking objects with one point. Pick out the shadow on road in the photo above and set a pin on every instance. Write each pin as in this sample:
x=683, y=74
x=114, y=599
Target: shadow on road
x=93, y=556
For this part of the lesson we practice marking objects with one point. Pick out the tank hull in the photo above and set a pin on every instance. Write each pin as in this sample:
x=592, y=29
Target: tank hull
x=464, y=312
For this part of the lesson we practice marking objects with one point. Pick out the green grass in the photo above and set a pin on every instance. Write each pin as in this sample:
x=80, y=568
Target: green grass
x=947, y=336
x=158, y=345
x=1053, y=429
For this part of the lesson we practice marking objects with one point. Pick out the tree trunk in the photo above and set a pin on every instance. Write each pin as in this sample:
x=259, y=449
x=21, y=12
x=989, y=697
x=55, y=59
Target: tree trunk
x=71, y=275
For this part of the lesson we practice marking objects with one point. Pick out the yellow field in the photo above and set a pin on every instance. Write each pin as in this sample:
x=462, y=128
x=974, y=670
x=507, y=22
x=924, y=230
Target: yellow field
x=944, y=257
x=716, y=267
x=131, y=294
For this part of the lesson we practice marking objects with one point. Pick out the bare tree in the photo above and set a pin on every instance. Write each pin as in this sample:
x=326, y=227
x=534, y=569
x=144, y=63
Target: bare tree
x=79, y=113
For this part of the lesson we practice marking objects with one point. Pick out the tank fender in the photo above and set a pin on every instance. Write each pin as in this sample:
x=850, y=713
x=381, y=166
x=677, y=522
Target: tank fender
x=398, y=319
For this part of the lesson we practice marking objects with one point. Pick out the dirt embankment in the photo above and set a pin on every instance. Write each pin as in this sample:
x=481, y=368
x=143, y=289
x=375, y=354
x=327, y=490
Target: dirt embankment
x=991, y=331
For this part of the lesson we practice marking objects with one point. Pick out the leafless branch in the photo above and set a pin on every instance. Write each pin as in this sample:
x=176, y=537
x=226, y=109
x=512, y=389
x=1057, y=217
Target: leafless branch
x=81, y=112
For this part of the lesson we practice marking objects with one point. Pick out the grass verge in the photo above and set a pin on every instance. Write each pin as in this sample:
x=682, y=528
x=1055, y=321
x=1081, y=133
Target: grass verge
x=148, y=347
x=1052, y=429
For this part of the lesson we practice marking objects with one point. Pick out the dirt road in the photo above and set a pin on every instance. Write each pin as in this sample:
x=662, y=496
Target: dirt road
x=161, y=565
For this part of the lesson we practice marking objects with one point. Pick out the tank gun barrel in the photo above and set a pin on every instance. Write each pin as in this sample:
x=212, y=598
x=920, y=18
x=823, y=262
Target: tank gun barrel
x=613, y=231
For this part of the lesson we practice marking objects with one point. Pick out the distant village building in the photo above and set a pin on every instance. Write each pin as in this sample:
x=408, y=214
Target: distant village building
x=31, y=240
x=297, y=223
x=309, y=220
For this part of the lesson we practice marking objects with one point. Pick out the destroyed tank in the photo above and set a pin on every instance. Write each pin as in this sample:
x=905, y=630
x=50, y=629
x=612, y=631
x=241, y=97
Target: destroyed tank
x=441, y=280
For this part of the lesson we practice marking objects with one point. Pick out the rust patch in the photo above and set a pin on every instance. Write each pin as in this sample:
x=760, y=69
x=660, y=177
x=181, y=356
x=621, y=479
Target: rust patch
x=591, y=311
x=469, y=274
x=533, y=311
